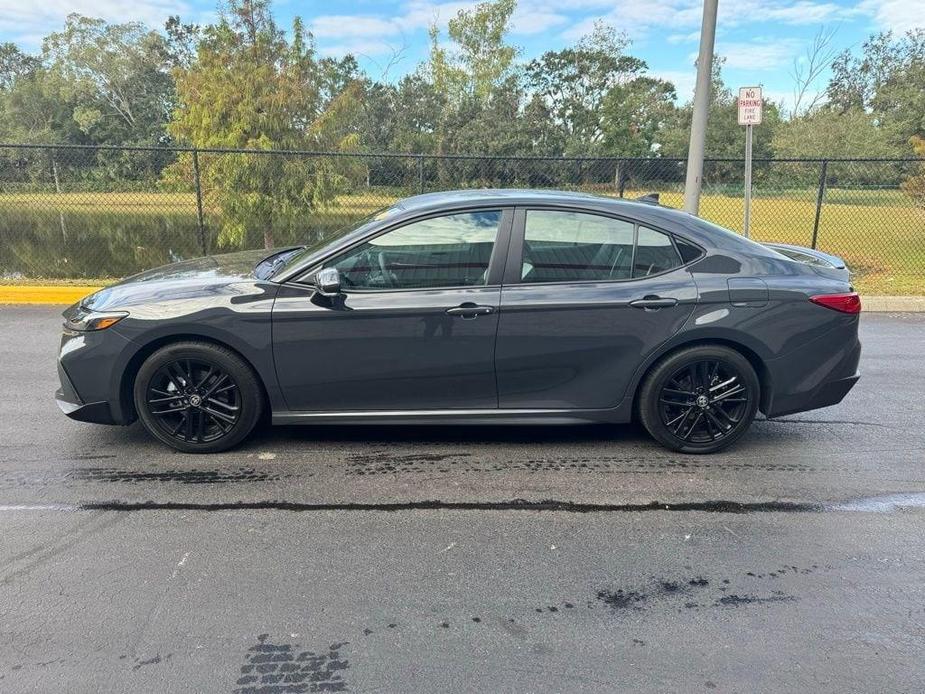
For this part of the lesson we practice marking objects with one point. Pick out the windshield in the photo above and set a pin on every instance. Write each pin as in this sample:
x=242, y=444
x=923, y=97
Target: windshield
x=328, y=237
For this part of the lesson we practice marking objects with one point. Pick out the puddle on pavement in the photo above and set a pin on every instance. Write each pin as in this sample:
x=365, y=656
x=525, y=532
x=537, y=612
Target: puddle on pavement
x=886, y=503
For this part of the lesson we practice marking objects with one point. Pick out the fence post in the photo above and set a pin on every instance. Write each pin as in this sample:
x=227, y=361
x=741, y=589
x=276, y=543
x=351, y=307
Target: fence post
x=820, y=194
x=199, y=218
x=421, y=173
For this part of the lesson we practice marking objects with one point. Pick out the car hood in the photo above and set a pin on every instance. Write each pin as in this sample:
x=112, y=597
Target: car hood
x=195, y=277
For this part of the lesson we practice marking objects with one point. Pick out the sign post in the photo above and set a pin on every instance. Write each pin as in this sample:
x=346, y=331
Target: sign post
x=750, y=107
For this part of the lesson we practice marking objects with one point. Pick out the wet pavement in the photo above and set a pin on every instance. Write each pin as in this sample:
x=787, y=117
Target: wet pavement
x=465, y=559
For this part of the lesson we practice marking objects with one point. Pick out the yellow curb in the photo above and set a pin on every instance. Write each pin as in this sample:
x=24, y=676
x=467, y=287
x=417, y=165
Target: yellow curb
x=17, y=294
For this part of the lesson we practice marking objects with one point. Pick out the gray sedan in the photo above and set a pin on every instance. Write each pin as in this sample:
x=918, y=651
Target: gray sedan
x=487, y=306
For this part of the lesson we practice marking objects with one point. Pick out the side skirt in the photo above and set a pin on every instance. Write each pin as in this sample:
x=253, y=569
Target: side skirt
x=443, y=417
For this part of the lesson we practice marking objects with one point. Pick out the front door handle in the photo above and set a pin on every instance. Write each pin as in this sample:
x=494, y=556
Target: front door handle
x=652, y=302
x=470, y=310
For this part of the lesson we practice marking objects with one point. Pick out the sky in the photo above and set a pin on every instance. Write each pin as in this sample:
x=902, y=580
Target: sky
x=760, y=39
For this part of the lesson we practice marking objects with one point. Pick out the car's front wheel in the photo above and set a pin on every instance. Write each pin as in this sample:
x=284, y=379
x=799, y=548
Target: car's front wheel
x=699, y=399
x=197, y=397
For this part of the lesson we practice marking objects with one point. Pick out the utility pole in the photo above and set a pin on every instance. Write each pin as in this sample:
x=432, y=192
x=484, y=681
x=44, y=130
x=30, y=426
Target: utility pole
x=694, y=178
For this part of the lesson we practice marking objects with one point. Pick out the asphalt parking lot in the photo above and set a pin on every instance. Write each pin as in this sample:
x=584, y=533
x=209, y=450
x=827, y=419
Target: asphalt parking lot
x=465, y=559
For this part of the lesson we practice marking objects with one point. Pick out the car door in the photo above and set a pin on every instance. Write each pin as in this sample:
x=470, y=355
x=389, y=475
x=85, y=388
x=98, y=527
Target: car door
x=413, y=328
x=586, y=297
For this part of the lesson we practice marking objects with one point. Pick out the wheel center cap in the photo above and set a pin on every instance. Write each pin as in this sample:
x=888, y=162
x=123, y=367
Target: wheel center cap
x=195, y=400
x=702, y=401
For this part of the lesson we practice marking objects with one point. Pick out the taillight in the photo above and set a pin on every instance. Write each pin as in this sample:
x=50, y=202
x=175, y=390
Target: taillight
x=846, y=303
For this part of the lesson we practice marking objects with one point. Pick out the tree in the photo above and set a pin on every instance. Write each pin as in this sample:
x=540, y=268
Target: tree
x=480, y=61
x=14, y=65
x=476, y=71
x=807, y=70
x=634, y=116
x=886, y=79
x=251, y=87
x=830, y=133
x=180, y=42
x=116, y=77
x=575, y=81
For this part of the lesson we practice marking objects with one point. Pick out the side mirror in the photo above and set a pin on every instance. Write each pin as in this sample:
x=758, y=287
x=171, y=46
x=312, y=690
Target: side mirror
x=327, y=281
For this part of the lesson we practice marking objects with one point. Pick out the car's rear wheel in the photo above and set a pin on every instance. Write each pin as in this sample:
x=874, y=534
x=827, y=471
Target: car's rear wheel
x=699, y=399
x=197, y=397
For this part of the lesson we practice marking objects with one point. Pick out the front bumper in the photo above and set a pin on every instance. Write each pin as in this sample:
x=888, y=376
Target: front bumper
x=69, y=403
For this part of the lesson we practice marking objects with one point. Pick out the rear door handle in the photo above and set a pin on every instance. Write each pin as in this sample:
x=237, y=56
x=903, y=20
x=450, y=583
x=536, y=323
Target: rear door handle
x=654, y=302
x=470, y=310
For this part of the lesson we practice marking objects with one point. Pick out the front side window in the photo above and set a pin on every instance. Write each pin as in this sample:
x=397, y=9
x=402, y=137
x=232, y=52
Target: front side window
x=574, y=246
x=449, y=251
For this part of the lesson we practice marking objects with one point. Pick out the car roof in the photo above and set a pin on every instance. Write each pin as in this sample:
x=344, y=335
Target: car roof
x=447, y=200
x=503, y=196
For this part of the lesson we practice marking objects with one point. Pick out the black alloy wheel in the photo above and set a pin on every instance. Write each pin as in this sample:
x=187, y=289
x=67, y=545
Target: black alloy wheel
x=700, y=400
x=193, y=400
x=703, y=401
x=197, y=397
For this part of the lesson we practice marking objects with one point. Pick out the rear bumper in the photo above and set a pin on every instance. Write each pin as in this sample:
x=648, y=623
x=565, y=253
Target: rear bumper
x=828, y=393
x=817, y=374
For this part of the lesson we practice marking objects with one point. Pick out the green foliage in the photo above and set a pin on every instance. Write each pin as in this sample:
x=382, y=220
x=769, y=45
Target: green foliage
x=249, y=87
x=886, y=78
x=113, y=76
x=635, y=114
x=831, y=133
x=575, y=82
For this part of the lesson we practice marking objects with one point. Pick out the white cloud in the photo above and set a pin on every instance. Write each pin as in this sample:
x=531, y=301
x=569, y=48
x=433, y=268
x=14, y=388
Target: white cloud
x=359, y=47
x=341, y=26
x=760, y=54
x=418, y=14
x=526, y=22
x=897, y=15
x=683, y=81
x=684, y=38
x=39, y=18
x=680, y=17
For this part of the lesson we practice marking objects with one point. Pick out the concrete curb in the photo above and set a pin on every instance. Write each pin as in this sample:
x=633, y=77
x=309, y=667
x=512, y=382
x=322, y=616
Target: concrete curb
x=25, y=294
x=893, y=304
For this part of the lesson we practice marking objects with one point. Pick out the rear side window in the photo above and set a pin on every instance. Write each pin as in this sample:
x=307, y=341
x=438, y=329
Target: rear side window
x=573, y=246
x=689, y=252
x=564, y=246
x=655, y=253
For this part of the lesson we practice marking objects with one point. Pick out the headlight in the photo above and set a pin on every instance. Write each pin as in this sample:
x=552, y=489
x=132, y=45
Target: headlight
x=84, y=320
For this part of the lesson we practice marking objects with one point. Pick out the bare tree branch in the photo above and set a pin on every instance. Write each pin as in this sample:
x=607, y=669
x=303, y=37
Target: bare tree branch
x=808, y=68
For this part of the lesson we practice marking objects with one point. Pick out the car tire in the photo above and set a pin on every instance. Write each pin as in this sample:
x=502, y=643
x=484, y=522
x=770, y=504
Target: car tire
x=197, y=397
x=699, y=399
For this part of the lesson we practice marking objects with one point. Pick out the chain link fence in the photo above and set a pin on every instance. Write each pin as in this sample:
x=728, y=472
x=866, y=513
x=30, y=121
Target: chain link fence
x=97, y=213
